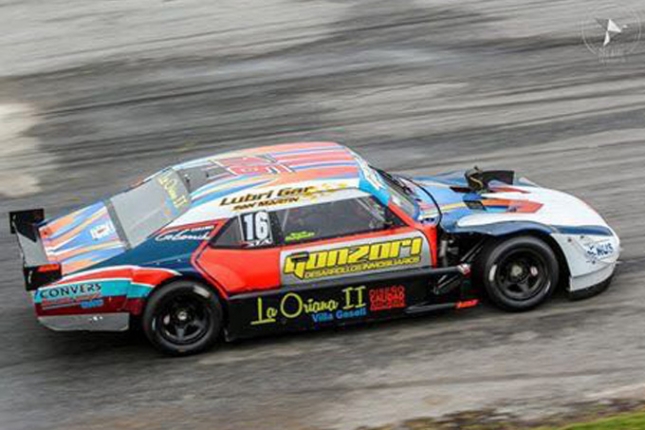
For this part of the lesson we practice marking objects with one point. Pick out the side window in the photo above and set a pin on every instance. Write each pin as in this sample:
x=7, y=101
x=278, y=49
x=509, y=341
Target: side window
x=249, y=230
x=230, y=236
x=334, y=219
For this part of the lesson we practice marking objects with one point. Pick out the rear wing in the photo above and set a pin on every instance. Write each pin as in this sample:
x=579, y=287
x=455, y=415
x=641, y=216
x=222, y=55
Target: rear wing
x=37, y=269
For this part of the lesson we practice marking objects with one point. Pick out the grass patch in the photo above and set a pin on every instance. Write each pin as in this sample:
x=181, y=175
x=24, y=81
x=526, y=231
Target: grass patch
x=625, y=421
x=612, y=415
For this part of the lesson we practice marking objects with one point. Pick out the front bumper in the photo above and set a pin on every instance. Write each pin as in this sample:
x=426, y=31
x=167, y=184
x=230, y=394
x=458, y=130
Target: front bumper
x=591, y=259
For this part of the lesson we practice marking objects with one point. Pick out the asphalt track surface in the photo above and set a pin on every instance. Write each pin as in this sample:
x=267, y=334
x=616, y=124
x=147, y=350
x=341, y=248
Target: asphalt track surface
x=95, y=95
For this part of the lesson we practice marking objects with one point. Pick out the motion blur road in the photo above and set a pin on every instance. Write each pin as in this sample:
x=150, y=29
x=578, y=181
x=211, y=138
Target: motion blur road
x=95, y=95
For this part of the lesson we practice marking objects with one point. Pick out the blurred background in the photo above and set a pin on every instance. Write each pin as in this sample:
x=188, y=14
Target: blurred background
x=96, y=95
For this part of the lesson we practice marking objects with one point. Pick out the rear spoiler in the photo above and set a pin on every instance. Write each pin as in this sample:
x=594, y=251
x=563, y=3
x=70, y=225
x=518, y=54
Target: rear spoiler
x=37, y=268
x=479, y=180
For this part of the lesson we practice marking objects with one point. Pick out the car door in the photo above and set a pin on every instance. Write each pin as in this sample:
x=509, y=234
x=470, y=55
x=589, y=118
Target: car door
x=346, y=240
x=325, y=264
x=243, y=256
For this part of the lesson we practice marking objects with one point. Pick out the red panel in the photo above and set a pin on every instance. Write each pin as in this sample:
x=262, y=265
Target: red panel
x=241, y=270
x=150, y=276
x=429, y=231
x=236, y=271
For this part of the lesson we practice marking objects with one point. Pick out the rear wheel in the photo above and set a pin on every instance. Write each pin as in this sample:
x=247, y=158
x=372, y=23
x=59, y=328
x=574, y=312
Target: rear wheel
x=183, y=318
x=518, y=273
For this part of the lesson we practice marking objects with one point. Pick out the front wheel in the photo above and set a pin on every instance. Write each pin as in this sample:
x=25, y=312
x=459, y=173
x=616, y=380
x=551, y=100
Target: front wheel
x=182, y=318
x=518, y=273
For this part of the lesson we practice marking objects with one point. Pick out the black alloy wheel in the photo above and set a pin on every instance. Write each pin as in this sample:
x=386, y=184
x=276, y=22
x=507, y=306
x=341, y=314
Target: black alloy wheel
x=183, y=318
x=518, y=273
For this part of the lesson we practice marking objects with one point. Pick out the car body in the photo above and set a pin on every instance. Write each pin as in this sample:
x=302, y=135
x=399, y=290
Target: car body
x=305, y=236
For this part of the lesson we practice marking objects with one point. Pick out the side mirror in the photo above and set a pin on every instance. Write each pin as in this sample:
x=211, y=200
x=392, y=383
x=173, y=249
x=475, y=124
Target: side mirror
x=390, y=220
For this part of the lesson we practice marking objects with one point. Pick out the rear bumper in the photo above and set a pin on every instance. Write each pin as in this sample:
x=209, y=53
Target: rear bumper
x=87, y=322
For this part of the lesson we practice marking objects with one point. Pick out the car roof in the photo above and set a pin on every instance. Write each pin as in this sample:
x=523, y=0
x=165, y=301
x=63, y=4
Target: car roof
x=271, y=176
x=271, y=165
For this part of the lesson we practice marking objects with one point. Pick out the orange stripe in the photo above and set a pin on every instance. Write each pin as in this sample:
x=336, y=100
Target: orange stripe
x=76, y=230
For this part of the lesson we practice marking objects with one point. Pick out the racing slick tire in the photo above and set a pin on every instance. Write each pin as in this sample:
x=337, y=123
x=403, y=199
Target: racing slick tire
x=183, y=318
x=518, y=273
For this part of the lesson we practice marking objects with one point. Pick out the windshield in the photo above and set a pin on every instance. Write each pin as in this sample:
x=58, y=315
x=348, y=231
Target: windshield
x=150, y=206
x=401, y=195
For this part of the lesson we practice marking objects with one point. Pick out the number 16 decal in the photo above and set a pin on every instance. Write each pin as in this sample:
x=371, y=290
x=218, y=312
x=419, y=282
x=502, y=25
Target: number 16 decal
x=256, y=228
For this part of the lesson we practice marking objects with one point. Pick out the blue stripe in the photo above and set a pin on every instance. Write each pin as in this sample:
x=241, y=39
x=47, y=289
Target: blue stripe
x=584, y=230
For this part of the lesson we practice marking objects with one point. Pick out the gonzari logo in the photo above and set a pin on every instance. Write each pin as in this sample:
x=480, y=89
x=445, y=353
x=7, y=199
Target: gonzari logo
x=355, y=259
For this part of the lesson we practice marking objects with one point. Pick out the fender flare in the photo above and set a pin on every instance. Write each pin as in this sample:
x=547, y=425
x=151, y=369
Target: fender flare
x=505, y=228
x=508, y=228
x=180, y=275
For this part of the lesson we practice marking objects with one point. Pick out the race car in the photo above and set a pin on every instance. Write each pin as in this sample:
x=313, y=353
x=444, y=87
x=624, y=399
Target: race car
x=305, y=236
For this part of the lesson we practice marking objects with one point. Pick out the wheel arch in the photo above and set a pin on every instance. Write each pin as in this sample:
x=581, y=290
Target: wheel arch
x=563, y=264
x=505, y=230
x=195, y=277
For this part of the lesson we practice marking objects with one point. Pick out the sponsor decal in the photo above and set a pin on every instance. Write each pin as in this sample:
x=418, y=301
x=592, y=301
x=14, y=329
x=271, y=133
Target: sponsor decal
x=191, y=234
x=267, y=198
x=349, y=304
x=172, y=185
x=598, y=251
x=69, y=295
x=383, y=299
x=299, y=235
x=96, y=303
x=101, y=231
x=356, y=259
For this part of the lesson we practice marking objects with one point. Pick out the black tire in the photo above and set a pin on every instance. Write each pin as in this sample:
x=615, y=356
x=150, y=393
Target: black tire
x=518, y=273
x=183, y=318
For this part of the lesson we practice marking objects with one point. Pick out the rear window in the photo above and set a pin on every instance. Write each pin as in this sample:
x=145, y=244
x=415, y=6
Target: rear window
x=150, y=206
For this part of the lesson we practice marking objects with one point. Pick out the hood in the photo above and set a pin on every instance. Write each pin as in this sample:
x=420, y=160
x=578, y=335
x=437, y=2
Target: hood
x=522, y=201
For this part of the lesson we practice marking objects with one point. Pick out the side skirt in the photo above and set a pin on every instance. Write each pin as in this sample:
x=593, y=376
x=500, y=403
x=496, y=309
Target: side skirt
x=332, y=304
